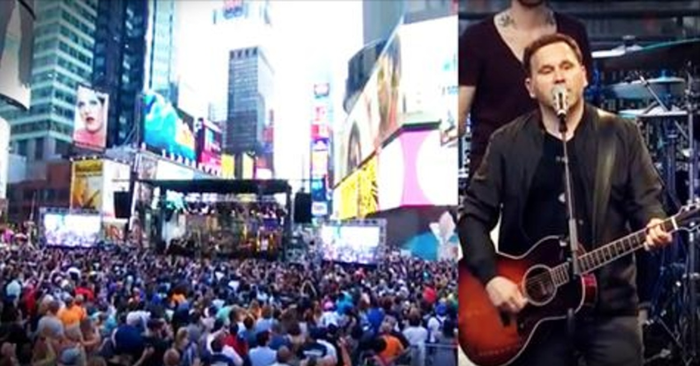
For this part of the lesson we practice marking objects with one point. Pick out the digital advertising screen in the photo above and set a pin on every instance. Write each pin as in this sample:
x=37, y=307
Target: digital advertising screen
x=429, y=79
x=417, y=169
x=72, y=230
x=86, y=185
x=351, y=243
x=91, y=118
x=166, y=129
x=115, y=178
x=375, y=115
x=4, y=157
x=16, y=48
x=171, y=171
x=209, y=144
x=228, y=166
x=357, y=194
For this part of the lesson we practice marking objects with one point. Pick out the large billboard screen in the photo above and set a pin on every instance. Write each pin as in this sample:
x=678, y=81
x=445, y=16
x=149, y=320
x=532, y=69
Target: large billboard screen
x=413, y=82
x=72, y=230
x=417, y=169
x=356, y=196
x=429, y=79
x=4, y=156
x=166, y=130
x=170, y=171
x=91, y=118
x=86, y=185
x=209, y=145
x=115, y=178
x=375, y=115
x=16, y=49
x=350, y=243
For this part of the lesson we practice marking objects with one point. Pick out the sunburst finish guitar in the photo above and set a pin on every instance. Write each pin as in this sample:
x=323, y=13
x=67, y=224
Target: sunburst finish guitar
x=490, y=338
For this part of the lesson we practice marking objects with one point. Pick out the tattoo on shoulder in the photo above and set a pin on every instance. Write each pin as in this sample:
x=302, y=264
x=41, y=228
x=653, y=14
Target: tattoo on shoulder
x=505, y=20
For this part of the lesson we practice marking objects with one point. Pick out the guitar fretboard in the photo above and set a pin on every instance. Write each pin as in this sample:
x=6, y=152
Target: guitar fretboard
x=601, y=256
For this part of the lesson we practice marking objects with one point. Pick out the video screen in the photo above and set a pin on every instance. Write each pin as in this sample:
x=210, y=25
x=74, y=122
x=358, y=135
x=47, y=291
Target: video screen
x=72, y=230
x=350, y=244
x=165, y=129
x=16, y=43
x=91, y=117
x=209, y=145
x=407, y=169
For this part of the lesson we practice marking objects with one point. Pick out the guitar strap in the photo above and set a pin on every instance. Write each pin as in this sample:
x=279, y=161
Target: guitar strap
x=603, y=178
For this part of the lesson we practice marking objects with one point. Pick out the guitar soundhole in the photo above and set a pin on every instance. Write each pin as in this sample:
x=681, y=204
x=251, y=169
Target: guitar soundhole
x=538, y=285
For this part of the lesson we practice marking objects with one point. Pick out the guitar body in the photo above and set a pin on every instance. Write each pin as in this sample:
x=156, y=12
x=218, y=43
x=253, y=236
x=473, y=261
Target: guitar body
x=491, y=338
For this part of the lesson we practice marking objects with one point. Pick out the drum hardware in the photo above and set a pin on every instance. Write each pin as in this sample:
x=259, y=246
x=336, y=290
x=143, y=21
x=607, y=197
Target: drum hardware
x=670, y=133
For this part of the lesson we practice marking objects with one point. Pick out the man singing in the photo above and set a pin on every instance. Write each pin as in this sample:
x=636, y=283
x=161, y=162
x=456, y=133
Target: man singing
x=521, y=180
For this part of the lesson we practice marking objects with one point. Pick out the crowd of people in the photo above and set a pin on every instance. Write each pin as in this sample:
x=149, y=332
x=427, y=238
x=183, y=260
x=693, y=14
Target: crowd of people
x=135, y=307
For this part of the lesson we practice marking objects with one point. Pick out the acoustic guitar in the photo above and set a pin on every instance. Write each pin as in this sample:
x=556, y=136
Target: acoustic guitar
x=489, y=337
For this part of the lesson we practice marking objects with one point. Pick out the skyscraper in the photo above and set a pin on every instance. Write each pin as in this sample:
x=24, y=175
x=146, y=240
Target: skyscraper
x=119, y=60
x=160, y=71
x=62, y=60
x=249, y=104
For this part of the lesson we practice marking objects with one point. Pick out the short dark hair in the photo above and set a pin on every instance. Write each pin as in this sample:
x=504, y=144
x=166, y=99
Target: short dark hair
x=546, y=40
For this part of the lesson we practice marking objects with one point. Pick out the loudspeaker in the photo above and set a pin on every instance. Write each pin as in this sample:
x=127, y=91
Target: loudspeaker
x=122, y=205
x=302, y=208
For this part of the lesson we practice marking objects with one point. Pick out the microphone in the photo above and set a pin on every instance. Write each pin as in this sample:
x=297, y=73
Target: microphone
x=560, y=100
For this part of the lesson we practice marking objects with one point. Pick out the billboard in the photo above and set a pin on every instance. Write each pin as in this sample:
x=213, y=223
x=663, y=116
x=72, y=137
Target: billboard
x=72, y=230
x=356, y=196
x=375, y=115
x=166, y=170
x=351, y=243
x=429, y=79
x=166, y=131
x=86, y=185
x=115, y=178
x=228, y=166
x=91, y=118
x=208, y=145
x=4, y=156
x=248, y=166
x=417, y=169
x=16, y=49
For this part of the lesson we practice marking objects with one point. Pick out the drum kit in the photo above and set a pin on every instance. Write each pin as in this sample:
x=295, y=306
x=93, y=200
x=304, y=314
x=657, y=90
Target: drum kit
x=670, y=100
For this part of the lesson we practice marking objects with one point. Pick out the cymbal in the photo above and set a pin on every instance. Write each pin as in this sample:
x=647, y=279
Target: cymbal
x=666, y=54
x=636, y=90
x=654, y=113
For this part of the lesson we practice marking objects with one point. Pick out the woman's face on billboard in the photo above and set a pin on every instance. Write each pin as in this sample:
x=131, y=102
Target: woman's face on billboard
x=90, y=109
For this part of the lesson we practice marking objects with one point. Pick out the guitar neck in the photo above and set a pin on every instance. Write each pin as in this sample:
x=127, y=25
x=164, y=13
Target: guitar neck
x=610, y=252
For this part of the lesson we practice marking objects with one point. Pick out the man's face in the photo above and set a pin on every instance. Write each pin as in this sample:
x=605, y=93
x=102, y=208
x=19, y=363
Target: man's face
x=552, y=65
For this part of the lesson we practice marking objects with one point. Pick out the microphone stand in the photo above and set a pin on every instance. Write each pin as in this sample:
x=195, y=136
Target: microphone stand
x=570, y=248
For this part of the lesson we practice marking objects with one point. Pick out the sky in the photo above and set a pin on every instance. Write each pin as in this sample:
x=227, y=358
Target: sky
x=309, y=40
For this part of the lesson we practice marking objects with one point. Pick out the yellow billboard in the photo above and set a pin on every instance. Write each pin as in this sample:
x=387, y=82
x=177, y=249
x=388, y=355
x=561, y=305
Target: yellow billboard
x=358, y=192
x=228, y=166
x=248, y=167
x=86, y=185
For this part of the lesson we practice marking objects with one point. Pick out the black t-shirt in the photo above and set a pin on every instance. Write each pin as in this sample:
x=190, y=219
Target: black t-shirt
x=486, y=62
x=545, y=211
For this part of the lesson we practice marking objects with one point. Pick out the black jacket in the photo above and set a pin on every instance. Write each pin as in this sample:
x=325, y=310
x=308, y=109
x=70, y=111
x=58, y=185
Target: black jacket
x=501, y=184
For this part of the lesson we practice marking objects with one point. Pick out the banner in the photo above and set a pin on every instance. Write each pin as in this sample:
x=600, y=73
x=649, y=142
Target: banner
x=91, y=117
x=356, y=195
x=228, y=166
x=115, y=178
x=86, y=185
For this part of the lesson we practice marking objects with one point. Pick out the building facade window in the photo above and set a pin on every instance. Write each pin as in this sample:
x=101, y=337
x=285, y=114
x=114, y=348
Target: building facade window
x=39, y=149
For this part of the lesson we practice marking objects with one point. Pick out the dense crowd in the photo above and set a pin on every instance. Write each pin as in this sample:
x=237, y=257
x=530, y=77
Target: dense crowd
x=133, y=307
